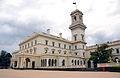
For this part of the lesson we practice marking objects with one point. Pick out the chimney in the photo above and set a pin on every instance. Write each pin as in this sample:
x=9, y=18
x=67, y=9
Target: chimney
x=28, y=37
x=60, y=34
x=48, y=31
x=35, y=33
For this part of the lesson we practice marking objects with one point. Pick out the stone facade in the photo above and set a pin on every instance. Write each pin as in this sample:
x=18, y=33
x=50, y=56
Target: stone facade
x=44, y=50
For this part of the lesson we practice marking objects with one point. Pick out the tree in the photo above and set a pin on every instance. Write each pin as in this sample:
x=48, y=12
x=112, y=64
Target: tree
x=102, y=54
x=5, y=58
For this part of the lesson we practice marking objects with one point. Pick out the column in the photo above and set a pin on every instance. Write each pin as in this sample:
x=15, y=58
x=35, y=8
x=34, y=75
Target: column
x=91, y=62
x=47, y=62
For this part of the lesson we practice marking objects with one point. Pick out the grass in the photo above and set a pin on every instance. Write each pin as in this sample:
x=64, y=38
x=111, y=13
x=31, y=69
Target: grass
x=115, y=66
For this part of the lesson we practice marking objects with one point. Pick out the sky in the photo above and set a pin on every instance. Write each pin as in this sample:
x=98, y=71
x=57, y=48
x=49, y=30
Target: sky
x=20, y=18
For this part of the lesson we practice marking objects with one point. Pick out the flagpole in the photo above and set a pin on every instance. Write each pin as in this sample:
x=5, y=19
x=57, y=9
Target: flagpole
x=75, y=4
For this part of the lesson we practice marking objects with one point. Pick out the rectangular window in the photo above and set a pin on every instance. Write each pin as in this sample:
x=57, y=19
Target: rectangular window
x=59, y=45
x=69, y=47
x=65, y=46
x=28, y=44
x=75, y=38
x=75, y=46
x=25, y=46
x=46, y=42
x=31, y=43
x=83, y=54
x=35, y=50
x=46, y=51
x=117, y=50
x=35, y=42
x=53, y=52
x=53, y=43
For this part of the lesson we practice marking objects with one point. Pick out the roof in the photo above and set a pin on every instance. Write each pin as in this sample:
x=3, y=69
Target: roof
x=112, y=43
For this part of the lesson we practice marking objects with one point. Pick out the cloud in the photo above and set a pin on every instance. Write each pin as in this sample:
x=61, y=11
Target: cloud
x=20, y=18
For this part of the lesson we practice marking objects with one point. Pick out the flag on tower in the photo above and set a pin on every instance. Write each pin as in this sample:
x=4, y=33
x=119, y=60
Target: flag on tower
x=74, y=3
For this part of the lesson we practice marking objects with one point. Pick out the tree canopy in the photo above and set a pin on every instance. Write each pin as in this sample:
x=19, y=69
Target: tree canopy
x=102, y=54
x=5, y=58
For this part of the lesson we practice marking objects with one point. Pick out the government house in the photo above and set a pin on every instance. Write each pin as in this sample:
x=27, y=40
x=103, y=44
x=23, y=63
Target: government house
x=43, y=50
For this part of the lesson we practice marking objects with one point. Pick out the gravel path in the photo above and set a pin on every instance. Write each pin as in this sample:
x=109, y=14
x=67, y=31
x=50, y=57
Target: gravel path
x=9, y=73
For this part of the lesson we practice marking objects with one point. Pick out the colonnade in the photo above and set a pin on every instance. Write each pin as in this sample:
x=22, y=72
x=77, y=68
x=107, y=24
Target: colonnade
x=48, y=62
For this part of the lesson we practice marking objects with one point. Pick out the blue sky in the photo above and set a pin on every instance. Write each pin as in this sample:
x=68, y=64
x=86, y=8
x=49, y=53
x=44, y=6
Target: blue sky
x=20, y=18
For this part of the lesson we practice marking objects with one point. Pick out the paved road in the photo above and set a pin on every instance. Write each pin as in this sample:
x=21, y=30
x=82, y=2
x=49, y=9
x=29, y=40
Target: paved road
x=9, y=73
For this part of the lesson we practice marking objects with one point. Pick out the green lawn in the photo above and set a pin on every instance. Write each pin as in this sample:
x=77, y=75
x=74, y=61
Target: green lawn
x=115, y=66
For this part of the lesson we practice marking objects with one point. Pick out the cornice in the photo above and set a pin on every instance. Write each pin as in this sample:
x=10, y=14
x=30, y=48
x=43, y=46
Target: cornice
x=46, y=35
x=77, y=25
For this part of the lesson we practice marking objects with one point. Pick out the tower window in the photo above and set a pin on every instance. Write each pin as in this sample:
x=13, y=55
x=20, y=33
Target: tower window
x=75, y=18
x=75, y=38
x=82, y=36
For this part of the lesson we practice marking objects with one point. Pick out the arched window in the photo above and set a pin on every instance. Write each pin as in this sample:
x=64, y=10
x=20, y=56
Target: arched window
x=45, y=62
x=55, y=62
x=75, y=38
x=52, y=62
x=75, y=62
x=78, y=62
x=75, y=18
x=63, y=62
x=49, y=62
x=41, y=63
x=81, y=62
x=72, y=62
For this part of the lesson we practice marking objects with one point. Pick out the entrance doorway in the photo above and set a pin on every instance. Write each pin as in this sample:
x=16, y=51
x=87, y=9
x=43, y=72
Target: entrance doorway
x=27, y=62
x=33, y=64
x=89, y=64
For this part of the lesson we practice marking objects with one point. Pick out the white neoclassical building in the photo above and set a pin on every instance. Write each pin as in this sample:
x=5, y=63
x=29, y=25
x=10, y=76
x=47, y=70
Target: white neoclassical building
x=44, y=50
